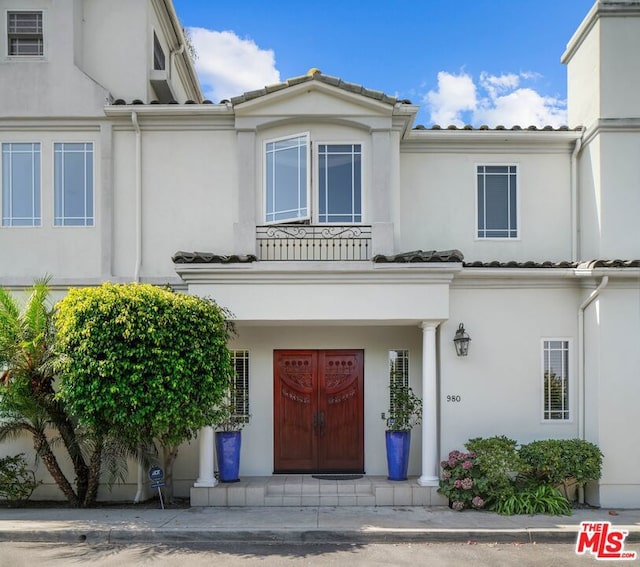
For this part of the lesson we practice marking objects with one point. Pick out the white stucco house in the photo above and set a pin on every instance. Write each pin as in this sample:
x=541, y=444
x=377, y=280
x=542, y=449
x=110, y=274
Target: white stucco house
x=344, y=238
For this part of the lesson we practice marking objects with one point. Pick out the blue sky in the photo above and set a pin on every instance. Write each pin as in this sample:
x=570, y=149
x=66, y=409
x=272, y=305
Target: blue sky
x=463, y=61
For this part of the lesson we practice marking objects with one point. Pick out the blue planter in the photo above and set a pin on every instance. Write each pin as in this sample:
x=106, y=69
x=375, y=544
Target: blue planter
x=398, y=443
x=228, y=453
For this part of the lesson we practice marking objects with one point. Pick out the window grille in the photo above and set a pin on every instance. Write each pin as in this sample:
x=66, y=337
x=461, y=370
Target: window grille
x=73, y=184
x=24, y=34
x=21, y=184
x=240, y=391
x=556, y=380
x=340, y=183
x=287, y=179
x=398, y=372
x=497, y=201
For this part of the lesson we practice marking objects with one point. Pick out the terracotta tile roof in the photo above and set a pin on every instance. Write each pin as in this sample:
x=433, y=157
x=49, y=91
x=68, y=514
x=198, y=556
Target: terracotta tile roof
x=420, y=256
x=312, y=75
x=499, y=127
x=316, y=75
x=592, y=264
x=210, y=258
x=514, y=264
x=583, y=265
x=137, y=101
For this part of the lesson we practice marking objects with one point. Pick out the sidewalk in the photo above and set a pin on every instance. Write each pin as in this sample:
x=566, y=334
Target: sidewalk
x=299, y=525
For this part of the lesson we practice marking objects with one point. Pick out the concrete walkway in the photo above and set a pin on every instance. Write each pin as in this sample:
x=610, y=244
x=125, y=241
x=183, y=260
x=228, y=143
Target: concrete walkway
x=300, y=524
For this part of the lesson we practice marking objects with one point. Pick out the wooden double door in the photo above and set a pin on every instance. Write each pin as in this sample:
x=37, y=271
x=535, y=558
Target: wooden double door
x=318, y=411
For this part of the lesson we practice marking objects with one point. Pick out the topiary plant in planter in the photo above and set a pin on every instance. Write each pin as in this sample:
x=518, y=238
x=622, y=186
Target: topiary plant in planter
x=229, y=422
x=405, y=412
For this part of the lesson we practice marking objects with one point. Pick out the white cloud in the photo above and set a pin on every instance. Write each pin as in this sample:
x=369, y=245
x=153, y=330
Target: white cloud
x=497, y=84
x=228, y=65
x=497, y=100
x=524, y=107
x=455, y=94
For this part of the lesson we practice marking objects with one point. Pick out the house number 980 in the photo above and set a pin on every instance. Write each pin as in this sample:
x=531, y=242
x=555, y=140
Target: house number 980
x=454, y=398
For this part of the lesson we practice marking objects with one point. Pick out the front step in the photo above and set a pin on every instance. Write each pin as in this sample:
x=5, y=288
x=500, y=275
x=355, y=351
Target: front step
x=304, y=490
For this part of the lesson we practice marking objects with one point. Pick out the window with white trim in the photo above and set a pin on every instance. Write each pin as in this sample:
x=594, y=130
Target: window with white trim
x=25, y=34
x=21, y=184
x=240, y=390
x=398, y=371
x=556, y=380
x=73, y=184
x=337, y=197
x=287, y=179
x=497, y=201
x=339, y=183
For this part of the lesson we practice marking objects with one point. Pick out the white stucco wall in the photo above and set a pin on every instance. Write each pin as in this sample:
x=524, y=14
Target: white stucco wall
x=50, y=85
x=590, y=200
x=620, y=67
x=188, y=195
x=500, y=382
x=438, y=203
x=613, y=335
x=620, y=196
x=584, y=70
x=65, y=252
x=122, y=25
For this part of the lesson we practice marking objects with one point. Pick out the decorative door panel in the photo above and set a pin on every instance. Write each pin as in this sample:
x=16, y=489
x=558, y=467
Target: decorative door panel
x=319, y=411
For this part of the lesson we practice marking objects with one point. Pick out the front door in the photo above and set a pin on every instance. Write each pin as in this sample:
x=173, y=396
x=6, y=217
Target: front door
x=318, y=411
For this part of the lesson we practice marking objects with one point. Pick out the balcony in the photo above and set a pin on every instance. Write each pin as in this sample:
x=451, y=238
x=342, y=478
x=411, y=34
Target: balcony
x=309, y=243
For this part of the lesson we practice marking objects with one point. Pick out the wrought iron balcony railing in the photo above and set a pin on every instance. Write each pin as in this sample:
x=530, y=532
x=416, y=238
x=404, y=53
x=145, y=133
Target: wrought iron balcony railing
x=296, y=242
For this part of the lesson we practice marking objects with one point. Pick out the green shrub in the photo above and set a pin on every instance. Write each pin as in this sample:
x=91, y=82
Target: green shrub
x=554, y=461
x=518, y=481
x=542, y=499
x=499, y=463
x=17, y=482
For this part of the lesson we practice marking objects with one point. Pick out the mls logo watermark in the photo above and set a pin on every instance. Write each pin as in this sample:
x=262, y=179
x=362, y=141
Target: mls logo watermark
x=603, y=541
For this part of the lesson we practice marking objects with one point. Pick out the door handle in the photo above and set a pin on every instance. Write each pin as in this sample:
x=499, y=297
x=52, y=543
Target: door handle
x=315, y=423
x=321, y=423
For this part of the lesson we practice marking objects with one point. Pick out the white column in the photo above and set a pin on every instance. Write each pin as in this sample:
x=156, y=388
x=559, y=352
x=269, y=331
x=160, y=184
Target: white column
x=206, y=477
x=429, y=475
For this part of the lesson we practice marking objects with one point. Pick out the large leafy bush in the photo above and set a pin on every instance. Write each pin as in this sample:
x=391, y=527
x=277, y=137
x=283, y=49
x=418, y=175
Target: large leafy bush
x=143, y=363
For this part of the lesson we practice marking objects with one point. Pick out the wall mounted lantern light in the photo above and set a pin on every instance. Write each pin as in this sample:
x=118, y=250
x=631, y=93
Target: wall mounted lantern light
x=461, y=340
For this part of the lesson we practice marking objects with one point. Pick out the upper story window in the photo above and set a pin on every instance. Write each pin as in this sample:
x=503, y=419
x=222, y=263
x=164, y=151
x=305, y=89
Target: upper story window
x=556, y=380
x=24, y=34
x=497, y=201
x=21, y=184
x=287, y=179
x=158, y=54
x=337, y=182
x=73, y=184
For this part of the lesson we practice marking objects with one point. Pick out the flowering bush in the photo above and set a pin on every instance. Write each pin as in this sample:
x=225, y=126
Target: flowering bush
x=462, y=481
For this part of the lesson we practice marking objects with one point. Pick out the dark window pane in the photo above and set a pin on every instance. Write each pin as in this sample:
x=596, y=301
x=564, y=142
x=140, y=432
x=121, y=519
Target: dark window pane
x=340, y=183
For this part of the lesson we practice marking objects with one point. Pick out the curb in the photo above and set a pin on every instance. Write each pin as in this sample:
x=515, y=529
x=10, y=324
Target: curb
x=57, y=536
x=375, y=535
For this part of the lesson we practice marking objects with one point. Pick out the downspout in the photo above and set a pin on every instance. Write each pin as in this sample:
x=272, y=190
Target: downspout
x=138, y=264
x=136, y=272
x=575, y=228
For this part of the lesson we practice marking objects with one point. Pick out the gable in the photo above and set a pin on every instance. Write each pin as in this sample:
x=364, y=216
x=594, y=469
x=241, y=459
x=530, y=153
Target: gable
x=313, y=99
